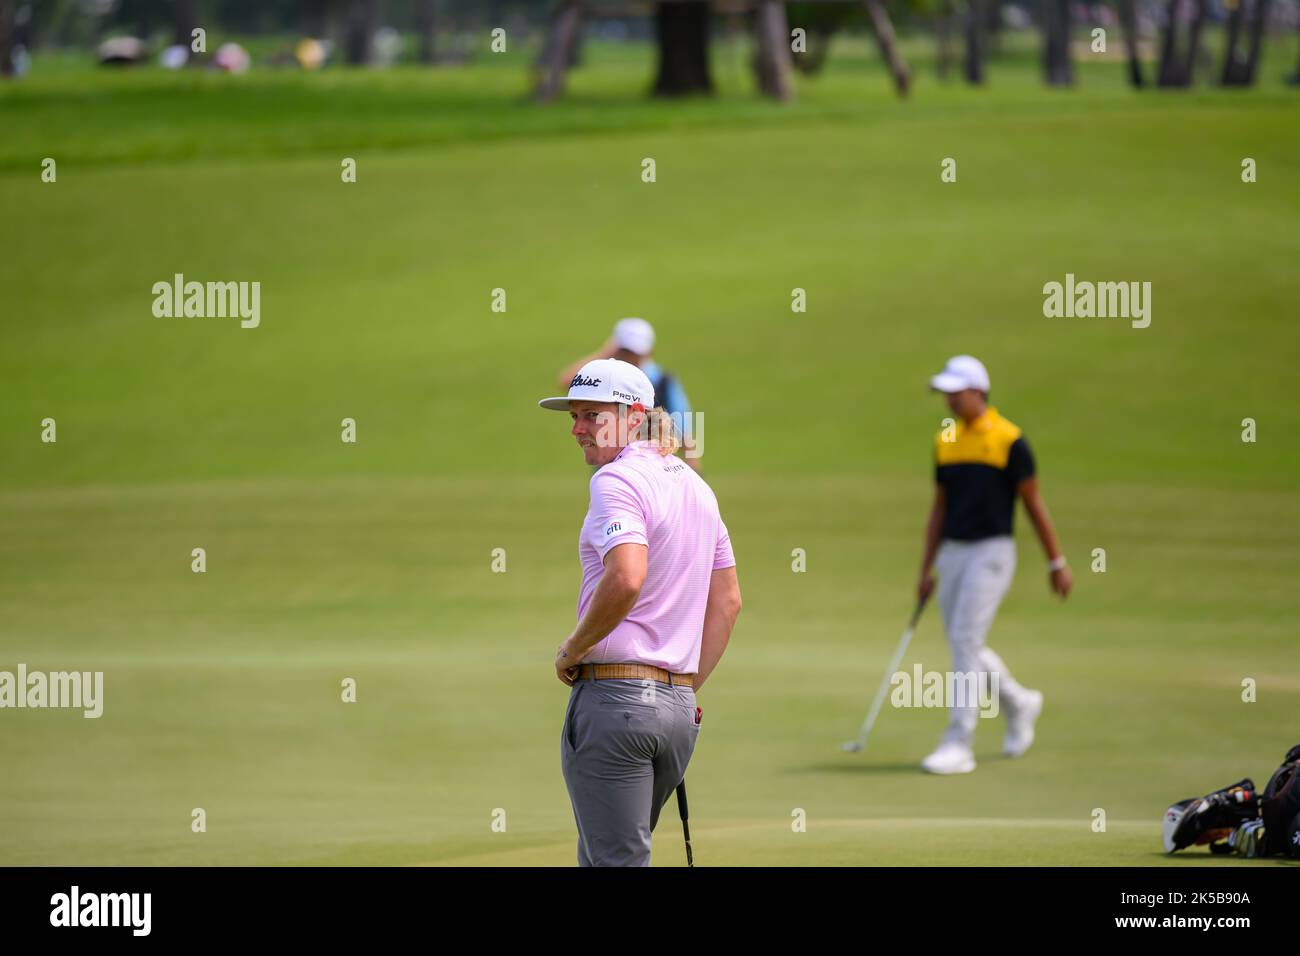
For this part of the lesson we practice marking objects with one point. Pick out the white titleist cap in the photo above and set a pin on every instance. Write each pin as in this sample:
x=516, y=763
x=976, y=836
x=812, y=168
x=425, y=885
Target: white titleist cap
x=961, y=372
x=635, y=335
x=606, y=380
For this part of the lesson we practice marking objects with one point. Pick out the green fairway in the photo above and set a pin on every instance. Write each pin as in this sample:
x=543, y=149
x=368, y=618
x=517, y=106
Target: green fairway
x=373, y=561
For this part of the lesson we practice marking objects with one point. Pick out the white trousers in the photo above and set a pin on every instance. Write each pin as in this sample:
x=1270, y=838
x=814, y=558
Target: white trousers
x=973, y=578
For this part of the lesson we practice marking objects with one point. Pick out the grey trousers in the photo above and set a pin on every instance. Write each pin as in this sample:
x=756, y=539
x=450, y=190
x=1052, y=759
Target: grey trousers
x=974, y=576
x=624, y=749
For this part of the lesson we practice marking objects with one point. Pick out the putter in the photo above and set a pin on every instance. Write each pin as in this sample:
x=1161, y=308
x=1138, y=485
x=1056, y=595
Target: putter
x=857, y=746
x=685, y=814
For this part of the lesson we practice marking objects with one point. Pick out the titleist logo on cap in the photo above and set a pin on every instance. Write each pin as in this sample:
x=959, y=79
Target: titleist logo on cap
x=582, y=380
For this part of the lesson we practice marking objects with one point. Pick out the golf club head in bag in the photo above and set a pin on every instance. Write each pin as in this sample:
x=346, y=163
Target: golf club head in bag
x=1210, y=819
x=1173, y=816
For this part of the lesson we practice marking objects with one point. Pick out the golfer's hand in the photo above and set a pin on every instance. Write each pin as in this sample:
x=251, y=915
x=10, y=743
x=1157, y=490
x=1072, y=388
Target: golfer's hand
x=925, y=587
x=566, y=664
x=1060, y=582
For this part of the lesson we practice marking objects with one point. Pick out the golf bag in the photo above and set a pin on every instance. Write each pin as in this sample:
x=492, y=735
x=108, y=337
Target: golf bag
x=1279, y=808
x=1237, y=818
x=1210, y=819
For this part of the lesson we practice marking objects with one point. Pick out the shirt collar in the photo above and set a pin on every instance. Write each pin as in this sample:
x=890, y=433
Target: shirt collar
x=985, y=421
x=632, y=448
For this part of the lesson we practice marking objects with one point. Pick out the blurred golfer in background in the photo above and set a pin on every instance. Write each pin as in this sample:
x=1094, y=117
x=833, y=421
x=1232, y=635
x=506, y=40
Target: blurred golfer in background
x=982, y=464
x=633, y=341
x=658, y=600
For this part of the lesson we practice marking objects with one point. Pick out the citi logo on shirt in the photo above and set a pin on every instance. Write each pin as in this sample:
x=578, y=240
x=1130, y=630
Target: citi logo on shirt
x=584, y=382
x=612, y=528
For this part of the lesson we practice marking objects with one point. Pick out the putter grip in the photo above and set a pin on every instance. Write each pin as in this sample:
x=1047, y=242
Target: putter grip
x=916, y=615
x=681, y=801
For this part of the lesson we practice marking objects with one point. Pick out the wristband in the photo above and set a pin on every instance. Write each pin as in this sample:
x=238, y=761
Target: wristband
x=1057, y=563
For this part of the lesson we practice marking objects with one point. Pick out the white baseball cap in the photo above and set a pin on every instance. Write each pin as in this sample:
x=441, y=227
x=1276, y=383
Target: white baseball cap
x=606, y=380
x=961, y=372
x=635, y=335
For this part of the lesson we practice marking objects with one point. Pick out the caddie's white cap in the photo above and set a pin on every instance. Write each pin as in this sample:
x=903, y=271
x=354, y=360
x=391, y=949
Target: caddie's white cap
x=635, y=335
x=961, y=372
x=606, y=380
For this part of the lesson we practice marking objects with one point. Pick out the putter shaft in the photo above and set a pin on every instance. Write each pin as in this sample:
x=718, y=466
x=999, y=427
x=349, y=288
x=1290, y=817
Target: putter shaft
x=684, y=812
x=870, y=722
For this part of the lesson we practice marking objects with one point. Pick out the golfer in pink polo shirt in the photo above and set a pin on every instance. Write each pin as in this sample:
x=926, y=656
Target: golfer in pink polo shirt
x=659, y=598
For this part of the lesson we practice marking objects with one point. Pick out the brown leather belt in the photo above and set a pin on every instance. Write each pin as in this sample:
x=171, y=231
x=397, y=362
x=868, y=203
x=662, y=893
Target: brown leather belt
x=634, y=672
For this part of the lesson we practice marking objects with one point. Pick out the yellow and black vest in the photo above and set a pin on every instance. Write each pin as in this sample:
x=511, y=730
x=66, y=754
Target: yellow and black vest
x=980, y=469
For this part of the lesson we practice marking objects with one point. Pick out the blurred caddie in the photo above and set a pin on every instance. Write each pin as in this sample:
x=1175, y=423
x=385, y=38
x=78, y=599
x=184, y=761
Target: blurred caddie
x=633, y=341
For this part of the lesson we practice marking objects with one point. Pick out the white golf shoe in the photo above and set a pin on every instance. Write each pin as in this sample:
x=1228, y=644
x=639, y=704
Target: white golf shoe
x=949, y=758
x=1020, y=725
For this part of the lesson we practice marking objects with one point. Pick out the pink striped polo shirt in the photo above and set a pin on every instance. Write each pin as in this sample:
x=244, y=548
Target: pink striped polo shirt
x=659, y=501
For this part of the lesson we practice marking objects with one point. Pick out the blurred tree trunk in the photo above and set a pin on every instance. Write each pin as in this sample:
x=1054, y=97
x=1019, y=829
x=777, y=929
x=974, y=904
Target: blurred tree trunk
x=363, y=18
x=1232, y=65
x=576, y=47
x=187, y=18
x=1238, y=68
x=1057, y=65
x=1128, y=21
x=683, y=30
x=1165, y=75
x=1176, y=69
x=1257, y=25
x=943, y=38
x=772, y=50
x=1194, y=42
x=558, y=52
x=992, y=29
x=893, y=57
x=7, y=13
x=973, y=60
x=426, y=13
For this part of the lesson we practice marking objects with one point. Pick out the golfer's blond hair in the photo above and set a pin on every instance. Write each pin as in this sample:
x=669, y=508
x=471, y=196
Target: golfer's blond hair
x=658, y=428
